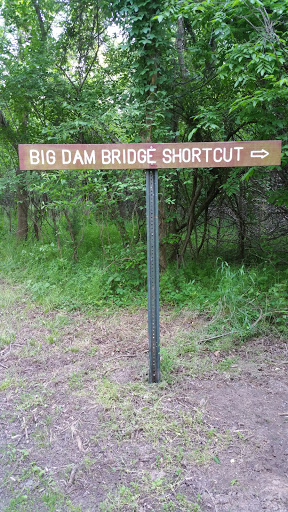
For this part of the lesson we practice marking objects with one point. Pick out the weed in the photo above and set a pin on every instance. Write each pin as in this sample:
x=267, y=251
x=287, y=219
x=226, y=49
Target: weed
x=17, y=504
x=75, y=381
x=51, y=339
x=169, y=507
x=187, y=505
x=180, y=454
x=197, y=365
x=124, y=499
x=35, y=470
x=157, y=483
x=41, y=437
x=59, y=321
x=32, y=348
x=244, y=300
x=88, y=462
x=6, y=338
x=188, y=345
x=14, y=454
x=6, y=384
x=93, y=350
x=168, y=363
x=159, y=461
x=226, y=364
x=9, y=295
x=241, y=436
x=107, y=392
x=29, y=399
x=54, y=500
x=30, y=499
x=74, y=350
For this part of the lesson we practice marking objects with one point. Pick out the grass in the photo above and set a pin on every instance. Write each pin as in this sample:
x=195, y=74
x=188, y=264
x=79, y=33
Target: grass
x=128, y=498
x=240, y=301
x=6, y=338
x=38, y=490
x=7, y=383
x=9, y=295
x=237, y=301
x=48, y=497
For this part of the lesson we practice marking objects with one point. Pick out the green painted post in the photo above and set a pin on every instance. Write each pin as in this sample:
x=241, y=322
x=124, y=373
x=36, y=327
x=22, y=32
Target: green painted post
x=153, y=273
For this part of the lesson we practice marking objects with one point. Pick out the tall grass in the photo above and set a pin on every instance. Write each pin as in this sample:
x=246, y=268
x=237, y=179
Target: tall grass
x=106, y=274
x=246, y=300
x=238, y=299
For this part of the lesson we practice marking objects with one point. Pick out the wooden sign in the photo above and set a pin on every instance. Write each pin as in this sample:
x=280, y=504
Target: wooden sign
x=149, y=156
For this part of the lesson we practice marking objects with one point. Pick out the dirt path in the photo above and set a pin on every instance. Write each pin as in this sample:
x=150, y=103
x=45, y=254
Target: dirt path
x=81, y=430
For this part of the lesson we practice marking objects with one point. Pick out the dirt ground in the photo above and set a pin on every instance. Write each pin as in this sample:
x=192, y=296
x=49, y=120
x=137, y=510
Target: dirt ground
x=82, y=430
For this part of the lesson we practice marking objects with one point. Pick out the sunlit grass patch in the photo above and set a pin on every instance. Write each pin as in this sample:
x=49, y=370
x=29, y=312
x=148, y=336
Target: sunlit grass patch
x=156, y=489
x=6, y=384
x=9, y=295
x=34, y=488
x=6, y=337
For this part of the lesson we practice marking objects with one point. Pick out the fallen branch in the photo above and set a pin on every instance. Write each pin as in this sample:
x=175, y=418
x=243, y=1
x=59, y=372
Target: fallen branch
x=278, y=362
x=122, y=356
x=258, y=319
x=212, y=499
x=218, y=336
x=7, y=353
x=73, y=475
x=270, y=313
x=251, y=326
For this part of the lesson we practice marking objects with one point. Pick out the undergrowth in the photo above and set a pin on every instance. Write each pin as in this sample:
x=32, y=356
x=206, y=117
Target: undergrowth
x=236, y=299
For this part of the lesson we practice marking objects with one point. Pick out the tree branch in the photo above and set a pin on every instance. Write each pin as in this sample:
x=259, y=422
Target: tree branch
x=43, y=30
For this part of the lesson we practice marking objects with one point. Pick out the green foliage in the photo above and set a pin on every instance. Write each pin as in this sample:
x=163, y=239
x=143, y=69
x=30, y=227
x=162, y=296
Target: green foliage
x=175, y=71
x=150, y=52
x=240, y=300
x=168, y=363
x=53, y=280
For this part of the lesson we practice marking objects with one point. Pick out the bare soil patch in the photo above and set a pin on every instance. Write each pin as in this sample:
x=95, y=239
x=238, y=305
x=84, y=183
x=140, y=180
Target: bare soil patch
x=82, y=430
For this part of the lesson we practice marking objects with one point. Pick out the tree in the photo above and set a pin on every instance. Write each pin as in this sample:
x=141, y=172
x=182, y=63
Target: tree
x=232, y=84
x=199, y=71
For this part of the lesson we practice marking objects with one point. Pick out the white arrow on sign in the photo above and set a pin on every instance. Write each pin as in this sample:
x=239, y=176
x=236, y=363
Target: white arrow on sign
x=259, y=154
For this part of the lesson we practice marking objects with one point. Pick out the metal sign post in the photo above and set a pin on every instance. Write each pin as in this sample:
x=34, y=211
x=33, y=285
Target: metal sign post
x=153, y=274
x=151, y=157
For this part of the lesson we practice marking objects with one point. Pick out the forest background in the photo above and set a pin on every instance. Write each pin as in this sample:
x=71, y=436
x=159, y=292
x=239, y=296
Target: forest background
x=88, y=71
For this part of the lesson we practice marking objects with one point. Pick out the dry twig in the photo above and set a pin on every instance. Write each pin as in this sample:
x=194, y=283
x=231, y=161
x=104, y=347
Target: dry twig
x=73, y=475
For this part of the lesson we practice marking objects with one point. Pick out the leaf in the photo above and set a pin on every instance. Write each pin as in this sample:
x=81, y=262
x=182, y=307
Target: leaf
x=192, y=133
x=215, y=458
x=248, y=174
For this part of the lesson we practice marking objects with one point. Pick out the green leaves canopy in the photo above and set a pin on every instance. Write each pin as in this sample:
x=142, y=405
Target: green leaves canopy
x=176, y=70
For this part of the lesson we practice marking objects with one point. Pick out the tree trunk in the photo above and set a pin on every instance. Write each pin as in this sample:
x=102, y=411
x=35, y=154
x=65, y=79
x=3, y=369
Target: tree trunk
x=53, y=213
x=72, y=235
x=242, y=227
x=22, y=209
x=199, y=247
x=193, y=214
x=180, y=45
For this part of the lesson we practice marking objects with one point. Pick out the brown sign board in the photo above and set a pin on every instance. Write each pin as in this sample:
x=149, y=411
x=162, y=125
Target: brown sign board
x=149, y=156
